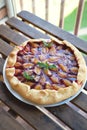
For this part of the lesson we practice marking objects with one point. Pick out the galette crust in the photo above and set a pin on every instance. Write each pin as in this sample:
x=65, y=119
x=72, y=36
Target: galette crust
x=45, y=96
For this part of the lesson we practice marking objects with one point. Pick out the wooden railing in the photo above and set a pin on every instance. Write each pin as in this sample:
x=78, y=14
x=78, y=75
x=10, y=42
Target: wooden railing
x=20, y=5
x=79, y=16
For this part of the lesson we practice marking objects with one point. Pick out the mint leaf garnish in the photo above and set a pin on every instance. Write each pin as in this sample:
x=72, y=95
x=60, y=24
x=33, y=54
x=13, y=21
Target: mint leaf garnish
x=27, y=76
x=47, y=44
x=46, y=65
x=52, y=66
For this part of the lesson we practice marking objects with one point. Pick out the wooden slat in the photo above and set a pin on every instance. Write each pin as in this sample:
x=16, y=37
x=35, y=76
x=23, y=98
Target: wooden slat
x=61, y=22
x=53, y=30
x=25, y=29
x=11, y=35
x=7, y=122
x=5, y=48
x=79, y=16
x=32, y=115
x=81, y=101
x=1, y=65
x=70, y=117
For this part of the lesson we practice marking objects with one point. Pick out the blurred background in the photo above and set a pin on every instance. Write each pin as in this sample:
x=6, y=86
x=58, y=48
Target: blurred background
x=71, y=15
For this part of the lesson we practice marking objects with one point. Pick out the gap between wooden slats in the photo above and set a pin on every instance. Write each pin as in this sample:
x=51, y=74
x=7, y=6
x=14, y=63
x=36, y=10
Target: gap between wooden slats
x=25, y=28
x=62, y=5
x=6, y=118
x=53, y=30
x=69, y=116
x=77, y=109
x=79, y=16
x=54, y=118
x=81, y=102
x=16, y=117
x=11, y=35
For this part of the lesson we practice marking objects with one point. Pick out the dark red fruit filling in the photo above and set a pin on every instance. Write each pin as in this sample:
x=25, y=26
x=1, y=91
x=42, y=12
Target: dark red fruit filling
x=61, y=56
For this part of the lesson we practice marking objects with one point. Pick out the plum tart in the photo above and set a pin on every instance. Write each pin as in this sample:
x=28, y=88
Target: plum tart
x=46, y=71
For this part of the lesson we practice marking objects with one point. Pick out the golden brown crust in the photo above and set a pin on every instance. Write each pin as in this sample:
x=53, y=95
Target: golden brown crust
x=45, y=96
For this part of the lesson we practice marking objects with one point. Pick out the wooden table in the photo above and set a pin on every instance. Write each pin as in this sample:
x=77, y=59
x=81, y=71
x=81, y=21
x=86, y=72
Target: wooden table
x=72, y=115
